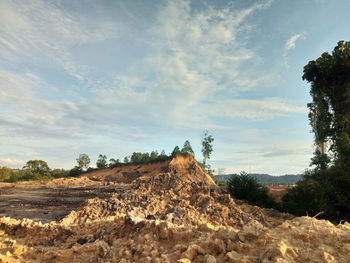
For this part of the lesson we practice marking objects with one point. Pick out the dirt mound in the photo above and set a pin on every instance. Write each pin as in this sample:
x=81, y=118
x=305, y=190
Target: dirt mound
x=185, y=167
x=174, y=213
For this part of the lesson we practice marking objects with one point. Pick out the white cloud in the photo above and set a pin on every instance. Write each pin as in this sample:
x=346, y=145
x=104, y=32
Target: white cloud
x=291, y=42
x=289, y=45
x=11, y=162
x=196, y=55
x=192, y=73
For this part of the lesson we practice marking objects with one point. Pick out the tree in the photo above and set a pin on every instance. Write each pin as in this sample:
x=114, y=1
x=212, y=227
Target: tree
x=176, y=151
x=5, y=173
x=207, y=146
x=329, y=114
x=37, y=166
x=83, y=161
x=187, y=149
x=113, y=162
x=245, y=187
x=154, y=155
x=126, y=159
x=138, y=157
x=329, y=76
x=101, y=161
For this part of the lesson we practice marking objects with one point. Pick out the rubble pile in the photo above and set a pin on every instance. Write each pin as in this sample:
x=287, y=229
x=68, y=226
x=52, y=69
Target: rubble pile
x=176, y=215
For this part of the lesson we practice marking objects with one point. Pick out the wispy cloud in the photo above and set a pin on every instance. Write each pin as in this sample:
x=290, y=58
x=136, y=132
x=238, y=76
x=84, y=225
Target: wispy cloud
x=289, y=45
x=291, y=42
x=43, y=30
x=192, y=71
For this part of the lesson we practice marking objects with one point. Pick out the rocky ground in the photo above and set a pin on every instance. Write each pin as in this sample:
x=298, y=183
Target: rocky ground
x=168, y=212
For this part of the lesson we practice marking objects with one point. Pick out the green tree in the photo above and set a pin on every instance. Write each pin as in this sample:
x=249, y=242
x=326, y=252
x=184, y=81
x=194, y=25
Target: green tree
x=329, y=76
x=59, y=173
x=245, y=187
x=187, y=149
x=37, y=166
x=5, y=173
x=126, y=159
x=154, y=155
x=329, y=114
x=176, y=151
x=207, y=146
x=83, y=161
x=113, y=162
x=101, y=161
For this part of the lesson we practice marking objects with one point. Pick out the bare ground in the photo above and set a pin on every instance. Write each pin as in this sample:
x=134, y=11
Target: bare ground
x=166, y=212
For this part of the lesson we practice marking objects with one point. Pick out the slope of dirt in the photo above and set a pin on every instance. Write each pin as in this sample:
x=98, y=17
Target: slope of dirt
x=176, y=214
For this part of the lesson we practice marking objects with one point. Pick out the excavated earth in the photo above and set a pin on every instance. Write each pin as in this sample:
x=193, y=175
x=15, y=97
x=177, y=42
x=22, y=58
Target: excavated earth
x=169, y=211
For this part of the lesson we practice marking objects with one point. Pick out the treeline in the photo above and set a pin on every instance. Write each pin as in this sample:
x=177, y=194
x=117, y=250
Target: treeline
x=33, y=170
x=83, y=161
x=39, y=169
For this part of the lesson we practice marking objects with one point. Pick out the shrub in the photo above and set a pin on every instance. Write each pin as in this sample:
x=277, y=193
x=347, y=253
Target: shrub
x=75, y=172
x=302, y=199
x=247, y=188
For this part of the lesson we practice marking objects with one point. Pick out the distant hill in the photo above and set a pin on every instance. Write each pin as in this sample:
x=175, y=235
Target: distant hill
x=265, y=178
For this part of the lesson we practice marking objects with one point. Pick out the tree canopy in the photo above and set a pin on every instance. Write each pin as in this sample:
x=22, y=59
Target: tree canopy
x=187, y=149
x=83, y=161
x=329, y=115
x=101, y=161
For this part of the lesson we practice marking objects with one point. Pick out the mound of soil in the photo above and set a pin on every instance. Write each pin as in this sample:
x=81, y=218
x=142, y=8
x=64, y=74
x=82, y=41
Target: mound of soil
x=172, y=213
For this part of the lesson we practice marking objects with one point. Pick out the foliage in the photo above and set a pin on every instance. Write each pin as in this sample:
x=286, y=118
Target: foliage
x=302, y=199
x=5, y=173
x=75, y=172
x=247, y=188
x=59, y=173
x=187, y=149
x=207, y=145
x=101, y=161
x=138, y=157
x=83, y=161
x=329, y=115
x=176, y=151
x=113, y=162
x=39, y=167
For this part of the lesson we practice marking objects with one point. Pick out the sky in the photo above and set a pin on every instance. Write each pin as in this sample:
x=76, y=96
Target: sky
x=117, y=77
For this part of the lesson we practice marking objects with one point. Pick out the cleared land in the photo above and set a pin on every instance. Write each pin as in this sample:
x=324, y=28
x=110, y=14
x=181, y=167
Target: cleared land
x=162, y=212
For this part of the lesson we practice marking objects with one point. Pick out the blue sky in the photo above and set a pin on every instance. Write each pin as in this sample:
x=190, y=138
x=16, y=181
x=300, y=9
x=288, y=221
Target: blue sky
x=115, y=77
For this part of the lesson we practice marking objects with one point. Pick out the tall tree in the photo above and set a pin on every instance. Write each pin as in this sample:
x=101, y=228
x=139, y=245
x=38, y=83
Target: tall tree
x=113, y=162
x=176, y=151
x=83, y=161
x=207, y=146
x=187, y=149
x=329, y=76
x=101, y=161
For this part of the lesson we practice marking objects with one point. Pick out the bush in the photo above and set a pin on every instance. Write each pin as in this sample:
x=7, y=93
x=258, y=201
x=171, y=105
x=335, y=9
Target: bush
x=75, y=172
x=303, y=199
x=247, y=188
x=325, y=191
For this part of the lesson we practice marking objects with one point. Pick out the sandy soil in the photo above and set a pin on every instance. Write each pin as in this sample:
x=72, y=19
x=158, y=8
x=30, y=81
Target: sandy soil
x=174, y=212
